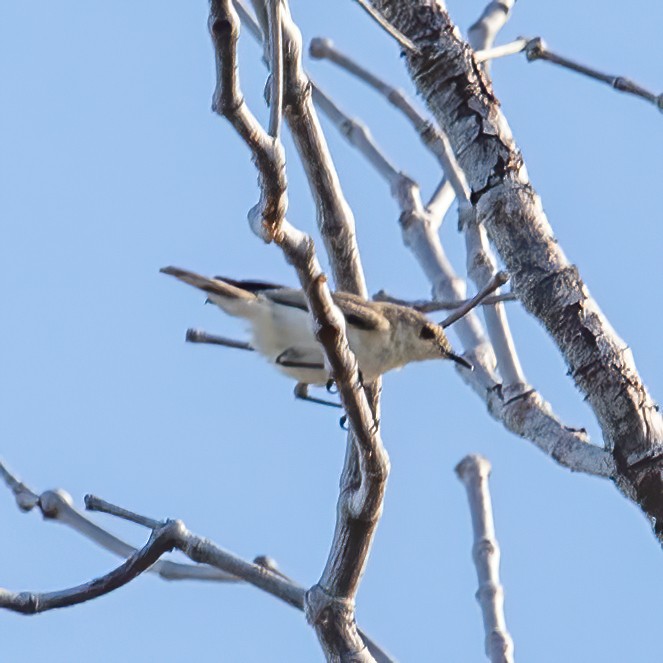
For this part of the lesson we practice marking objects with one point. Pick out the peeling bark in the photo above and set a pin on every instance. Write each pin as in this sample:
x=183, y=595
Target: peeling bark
x=462, y=99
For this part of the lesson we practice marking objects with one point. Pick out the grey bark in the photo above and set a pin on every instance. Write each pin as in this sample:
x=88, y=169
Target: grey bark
x=550, y=288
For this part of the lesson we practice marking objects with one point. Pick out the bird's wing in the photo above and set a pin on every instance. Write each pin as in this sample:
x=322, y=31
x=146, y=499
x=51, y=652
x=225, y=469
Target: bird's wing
x=251, y=285
x=358, y=312
x=211, y=286
x=287, y=297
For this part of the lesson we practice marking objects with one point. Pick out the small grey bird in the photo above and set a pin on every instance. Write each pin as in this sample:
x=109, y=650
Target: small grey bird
x=383, y=336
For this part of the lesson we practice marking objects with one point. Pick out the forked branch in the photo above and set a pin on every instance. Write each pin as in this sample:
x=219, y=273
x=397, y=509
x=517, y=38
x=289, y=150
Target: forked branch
x=329, y=603
x=520, y=408
x=549, y=287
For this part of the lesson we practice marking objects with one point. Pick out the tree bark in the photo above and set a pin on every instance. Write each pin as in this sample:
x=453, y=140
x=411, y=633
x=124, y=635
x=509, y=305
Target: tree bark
x=462, y=99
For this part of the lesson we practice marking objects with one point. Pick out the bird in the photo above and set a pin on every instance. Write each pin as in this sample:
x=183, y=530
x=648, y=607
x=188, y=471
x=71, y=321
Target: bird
x=382, y=335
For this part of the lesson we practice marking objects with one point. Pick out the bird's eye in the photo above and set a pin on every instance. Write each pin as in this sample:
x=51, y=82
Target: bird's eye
x=427, y=333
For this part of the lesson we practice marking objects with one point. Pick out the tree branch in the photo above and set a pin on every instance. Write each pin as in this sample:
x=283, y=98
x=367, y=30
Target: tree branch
x=213, y=562
x=474, y=471
x=484, y=31
x=276, y=68
x=418, y=226
x=435, y=141
x=386, y=26
x=495, y=283
x=330, y=603
x=431, y=306
x=481, y=263
x=57, y=506
x=520, y=408
x=537, y=49
x=29, y=603
x=463, y=102
x=200, y=336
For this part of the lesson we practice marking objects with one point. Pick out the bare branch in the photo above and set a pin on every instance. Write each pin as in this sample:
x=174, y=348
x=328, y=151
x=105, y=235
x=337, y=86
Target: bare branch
x=537, y=49
x=386, y=26
x=329, y=603
x=482, y=268
x=262, y=572
x=335, y=219
x=419, y=228
x=482, y=35
x=200, y=336
x=483, y=32
x=358, y=135
x=568, y=446
x=495, y=282
x=94, y=503
x=512, y=48
x=541, y=276
x=57, y=506
x=474, y=471
x=275, y=67
x=432, y=306
x=480, y=260
x=433, y=139
x=166, y=535
x=204, y=551
x=30, y=603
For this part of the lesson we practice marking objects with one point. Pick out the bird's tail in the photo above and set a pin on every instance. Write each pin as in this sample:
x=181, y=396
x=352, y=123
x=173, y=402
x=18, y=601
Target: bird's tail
x=231, y=298
x=460, y=360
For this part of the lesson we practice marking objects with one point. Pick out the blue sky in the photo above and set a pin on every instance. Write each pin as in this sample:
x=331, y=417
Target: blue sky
x=113, y=166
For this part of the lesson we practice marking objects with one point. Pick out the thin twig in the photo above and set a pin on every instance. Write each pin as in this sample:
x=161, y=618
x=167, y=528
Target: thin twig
x=432, y=306
x=433, y=139
x=511, y=48
x=57, y=506
x=200, y=336
x=474, y=471
x=275, y=66
x=537, y=49
x=481, y=268
x=386, y=26
x=483, y=32
x=358, y=135
x=94, y=503
x=497, y=281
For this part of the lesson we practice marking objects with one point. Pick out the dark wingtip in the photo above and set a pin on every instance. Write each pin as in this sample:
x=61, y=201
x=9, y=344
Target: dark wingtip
x=460, y=360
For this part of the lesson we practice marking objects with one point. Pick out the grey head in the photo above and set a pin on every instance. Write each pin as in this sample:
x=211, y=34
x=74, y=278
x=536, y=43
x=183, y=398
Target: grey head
x=421, y=338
